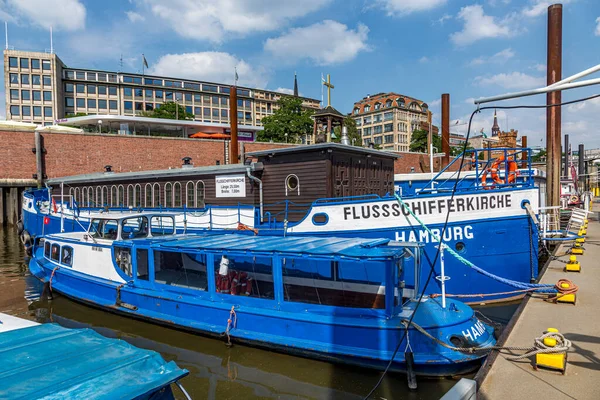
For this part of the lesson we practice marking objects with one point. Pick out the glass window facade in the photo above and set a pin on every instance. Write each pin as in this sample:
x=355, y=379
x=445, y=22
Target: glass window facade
x=46, y=67
x=14, y=78
x=91, y=89
x=24, y=62
x=80, y=103
x=13, y=62
x=102, y=90
x=35, y=79
x=14, y=94
x=91, y=103
x=47, y=80
x=37, y=111
x=112, y=104
x=26, y=111
x=102, y=104
x=24, y=79
x=69, y=102
x=69, y=87
x=80, y=88
x=47, y=96
x=47, y=111
x=112, y=90
x=14, y=110
x=37, y=95
x=35, y=63
x=25, y=95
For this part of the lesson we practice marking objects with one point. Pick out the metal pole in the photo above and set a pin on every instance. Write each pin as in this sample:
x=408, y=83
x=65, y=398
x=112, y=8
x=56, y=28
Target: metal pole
x=233, y=118
x=524, y=156
x=566, y=166
x=446, y=127
x=581, y=171
x=553, y=114
x=39, y=159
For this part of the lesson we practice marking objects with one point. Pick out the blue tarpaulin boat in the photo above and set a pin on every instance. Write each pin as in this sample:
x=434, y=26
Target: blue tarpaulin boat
x=339, y=299
x=51, y=362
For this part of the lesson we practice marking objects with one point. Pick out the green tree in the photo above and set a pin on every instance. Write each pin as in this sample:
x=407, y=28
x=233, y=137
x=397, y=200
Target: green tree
x=79, y=114
x=418, y=141
x=538, y=157
x=169, y=110
x=288, y=123
x=353, y=135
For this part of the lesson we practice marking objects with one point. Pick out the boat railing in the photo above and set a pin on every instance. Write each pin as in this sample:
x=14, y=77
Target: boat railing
x=476, y=168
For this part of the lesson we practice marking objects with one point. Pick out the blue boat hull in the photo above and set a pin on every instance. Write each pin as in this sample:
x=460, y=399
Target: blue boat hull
x=335, y=337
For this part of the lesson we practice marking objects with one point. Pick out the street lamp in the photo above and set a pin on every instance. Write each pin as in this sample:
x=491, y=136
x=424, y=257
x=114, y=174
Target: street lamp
x=99, y=126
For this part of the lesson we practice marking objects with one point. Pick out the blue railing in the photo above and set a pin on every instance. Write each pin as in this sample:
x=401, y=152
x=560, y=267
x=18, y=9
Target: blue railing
x=476, y=168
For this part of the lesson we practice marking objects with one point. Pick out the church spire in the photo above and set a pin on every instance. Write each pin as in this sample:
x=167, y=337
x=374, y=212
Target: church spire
x=495, y=127
x=295, y=85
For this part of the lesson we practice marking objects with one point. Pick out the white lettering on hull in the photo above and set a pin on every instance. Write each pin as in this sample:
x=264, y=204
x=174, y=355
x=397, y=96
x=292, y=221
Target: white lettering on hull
x=452, y=233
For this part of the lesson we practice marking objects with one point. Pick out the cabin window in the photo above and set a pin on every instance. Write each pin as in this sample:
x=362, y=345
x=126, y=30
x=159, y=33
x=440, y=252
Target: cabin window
x=121, y=196
x=244, y=276
x=200, y=194
x=186, y=270
x=138, y=195
x=130, y=196
x=66, y=257
x=134, y=228
x=177, y=194
x=123, y=260
x=161, y=226
x=54, y=253
x=104, y=229
x=168, y=195
x=292, y=185
x=47, y=250
x=148, y=195
x=142, y=264
x=113, y=196
x=156, y=195
x=332, y=283
x=189, y=195
x=91, y=197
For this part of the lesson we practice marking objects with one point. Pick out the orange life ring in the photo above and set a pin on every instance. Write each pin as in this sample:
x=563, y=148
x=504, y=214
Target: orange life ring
x=513, y=171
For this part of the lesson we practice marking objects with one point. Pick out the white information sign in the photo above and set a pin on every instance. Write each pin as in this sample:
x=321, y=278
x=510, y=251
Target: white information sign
x=230, y=186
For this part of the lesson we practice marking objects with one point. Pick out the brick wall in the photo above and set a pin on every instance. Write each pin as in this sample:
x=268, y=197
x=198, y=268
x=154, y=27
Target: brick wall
x=75, y=153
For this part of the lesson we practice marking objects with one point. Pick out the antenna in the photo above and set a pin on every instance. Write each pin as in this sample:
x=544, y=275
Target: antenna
x=6, y=33
x=121, y=63
x=51, y=43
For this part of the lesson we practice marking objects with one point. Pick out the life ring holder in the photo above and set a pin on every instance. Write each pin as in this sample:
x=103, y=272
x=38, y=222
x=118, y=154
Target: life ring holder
x=513, y=172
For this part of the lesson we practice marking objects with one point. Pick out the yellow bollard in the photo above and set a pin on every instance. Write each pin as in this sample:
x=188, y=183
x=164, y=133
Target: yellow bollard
x=555, y=361
x=573, y=265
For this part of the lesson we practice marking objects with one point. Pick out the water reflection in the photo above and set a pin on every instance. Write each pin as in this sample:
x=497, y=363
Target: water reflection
x=216, y=371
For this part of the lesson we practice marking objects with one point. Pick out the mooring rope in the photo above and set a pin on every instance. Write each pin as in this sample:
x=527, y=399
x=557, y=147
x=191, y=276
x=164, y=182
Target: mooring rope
x=538, y=287
x=562, y=344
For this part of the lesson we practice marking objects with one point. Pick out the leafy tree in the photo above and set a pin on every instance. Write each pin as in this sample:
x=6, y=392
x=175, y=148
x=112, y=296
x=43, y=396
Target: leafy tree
x=538, y=157
x=288, y=123
x=169, y=110
x=79, y=114
x=418, y=141
x=456, y=150
x=353, y=135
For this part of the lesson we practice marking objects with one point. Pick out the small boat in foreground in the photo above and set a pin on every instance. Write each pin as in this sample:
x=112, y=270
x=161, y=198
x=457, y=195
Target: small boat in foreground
x=49, y=361
x=338, y=299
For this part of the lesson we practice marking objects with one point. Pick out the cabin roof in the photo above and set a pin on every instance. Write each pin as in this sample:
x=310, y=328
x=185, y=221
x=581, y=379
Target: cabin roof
x=323, y=146
x=109, y=366
x=161, y=173
x=291, y=245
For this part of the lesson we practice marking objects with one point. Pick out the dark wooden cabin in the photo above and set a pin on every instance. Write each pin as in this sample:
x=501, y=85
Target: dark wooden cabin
x=304, y=174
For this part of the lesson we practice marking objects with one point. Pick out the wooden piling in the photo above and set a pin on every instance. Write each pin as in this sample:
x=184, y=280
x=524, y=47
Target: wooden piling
x=446, y=127
x=553, y=114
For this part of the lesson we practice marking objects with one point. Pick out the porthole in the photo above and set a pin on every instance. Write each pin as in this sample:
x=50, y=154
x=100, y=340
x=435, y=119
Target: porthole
x=320, y=219
x=292, y=182
x=457, y=341
x=460, y=247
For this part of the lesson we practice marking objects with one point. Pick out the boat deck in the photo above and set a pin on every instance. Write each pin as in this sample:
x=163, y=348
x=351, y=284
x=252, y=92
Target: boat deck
x=580, y=324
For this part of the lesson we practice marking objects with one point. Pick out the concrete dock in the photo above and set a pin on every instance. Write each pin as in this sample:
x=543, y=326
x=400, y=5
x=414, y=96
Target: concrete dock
x=580, y=323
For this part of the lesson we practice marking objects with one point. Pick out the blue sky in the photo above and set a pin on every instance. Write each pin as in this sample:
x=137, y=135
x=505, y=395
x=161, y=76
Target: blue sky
x=420, y=48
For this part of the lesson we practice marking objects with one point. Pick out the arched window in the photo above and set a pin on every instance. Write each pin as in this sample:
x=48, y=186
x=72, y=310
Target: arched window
x=377, y=106
x=114, y=197
x=148, y=195
x=121, y=196
x=168, y=195
x=138, y=195
x=78, y=196
x=105, y=201
x=400, y=102
x=72, y=194
x=91, y=197
x=177, y=194
x=190, y=195
x=84, y=197
x=388, y=103
x=156, y=195
x=292, y=185
x=130, y=196
x=367, y=108
x=199, y=194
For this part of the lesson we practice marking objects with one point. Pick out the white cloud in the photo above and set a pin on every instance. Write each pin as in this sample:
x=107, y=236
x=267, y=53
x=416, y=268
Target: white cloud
x=470, y=101
x=134, y=17
x=498, y=58
x=513, y=80
x=213, y=19
x=539, y=67
x=597, y=31
x=325, y=43
x=399, y=8
x=68, y=15
x=285, y=90
x=209, y=66
x=444, y=18
x=424, y=60
x=539, y=7
x=477, y=26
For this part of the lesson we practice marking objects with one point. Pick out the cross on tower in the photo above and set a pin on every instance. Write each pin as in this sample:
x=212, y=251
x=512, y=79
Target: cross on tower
x=329, y=87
